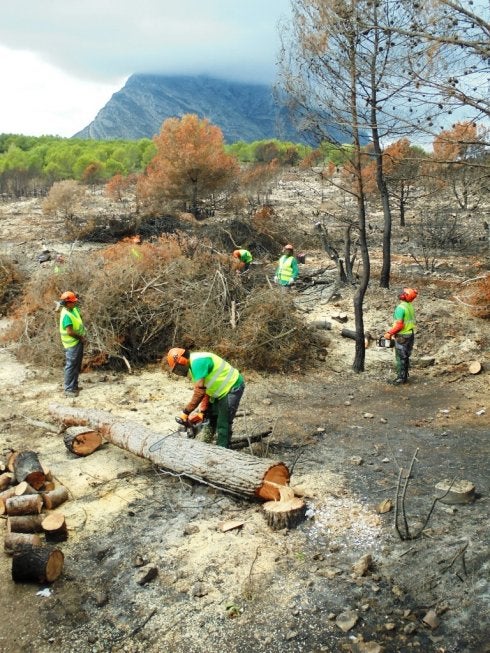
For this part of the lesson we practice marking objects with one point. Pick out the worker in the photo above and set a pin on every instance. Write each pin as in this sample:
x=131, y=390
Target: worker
x=244, y=259
x=287, y=270
x=216, y=378
x=72, y=332
x=403, y=332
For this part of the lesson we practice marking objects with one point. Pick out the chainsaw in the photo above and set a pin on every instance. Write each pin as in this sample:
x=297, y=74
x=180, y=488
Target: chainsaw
x=386, y=343
x=193, y=425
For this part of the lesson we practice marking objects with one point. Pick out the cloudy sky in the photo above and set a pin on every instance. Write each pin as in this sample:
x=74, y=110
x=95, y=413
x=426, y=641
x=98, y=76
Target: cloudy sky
x=61, y=60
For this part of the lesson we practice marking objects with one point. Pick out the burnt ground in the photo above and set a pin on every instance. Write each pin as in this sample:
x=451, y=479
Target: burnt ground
x=253, y=588
x=147, y=567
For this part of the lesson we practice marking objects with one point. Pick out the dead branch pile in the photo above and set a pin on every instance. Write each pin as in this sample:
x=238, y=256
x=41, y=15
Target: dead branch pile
x=11, y=280
x=139, y=299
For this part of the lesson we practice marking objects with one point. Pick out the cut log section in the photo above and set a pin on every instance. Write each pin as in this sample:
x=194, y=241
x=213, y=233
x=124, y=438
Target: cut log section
x=6, y=494
x=368, y=338
x=54, y=527
x=458, y=492
x=11, y=460
x=288, y=512
x=5, y=480
x=37, y=564
x=18, y=541
x=320, y=324
x=24, y=488
x=29, y=504
x=474, y=367
x=81, y=440
x=27, y=467
x=25, y=524
x=228, y=470
x=55, y=498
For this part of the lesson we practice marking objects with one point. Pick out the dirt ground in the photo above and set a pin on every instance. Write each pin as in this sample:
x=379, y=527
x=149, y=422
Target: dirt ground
x=147, y=567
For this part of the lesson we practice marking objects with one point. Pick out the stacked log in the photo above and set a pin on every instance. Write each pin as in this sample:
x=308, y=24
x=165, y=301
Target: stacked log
x=26, y=490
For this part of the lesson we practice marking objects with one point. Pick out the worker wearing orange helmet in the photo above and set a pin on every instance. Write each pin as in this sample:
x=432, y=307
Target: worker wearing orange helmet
x=72, y=332
x=403, y=332
x=287, y=270
x=214, y=380
x=244, y=257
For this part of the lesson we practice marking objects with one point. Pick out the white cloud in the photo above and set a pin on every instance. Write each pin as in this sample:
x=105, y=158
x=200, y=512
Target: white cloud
x=38, y=99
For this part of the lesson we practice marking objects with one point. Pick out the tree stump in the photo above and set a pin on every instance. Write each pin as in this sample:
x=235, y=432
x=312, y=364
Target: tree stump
x=81, y=440
x=460, y=492
x=24, y=488
x=55, y=498
x=37, y=564
x=288, y=512
x=29, y=504
x=25, y=524
x=54, y=527
x=17, y=541
x=27, y=467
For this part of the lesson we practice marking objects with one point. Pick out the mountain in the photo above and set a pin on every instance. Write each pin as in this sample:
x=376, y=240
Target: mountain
x=243, y=111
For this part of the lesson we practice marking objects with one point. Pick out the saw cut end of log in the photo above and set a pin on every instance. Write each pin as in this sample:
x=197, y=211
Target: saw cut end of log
x=82, y=440
x=275, y=478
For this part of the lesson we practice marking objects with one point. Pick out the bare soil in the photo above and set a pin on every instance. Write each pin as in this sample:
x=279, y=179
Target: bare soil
x=345, y=436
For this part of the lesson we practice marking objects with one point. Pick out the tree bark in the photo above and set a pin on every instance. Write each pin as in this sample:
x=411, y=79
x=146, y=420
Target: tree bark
x=55, y=498
x=27, y=467
x=230, y=471
x=25, y=524
x=54, y=527
x=288, y=512
x=29, y=504
x=17, y=541
x=37, y=564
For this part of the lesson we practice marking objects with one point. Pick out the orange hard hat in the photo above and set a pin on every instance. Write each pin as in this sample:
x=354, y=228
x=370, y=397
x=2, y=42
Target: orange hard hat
x=408, y=294
x=69, y=296
x=176, y=357
x=236, y=253
x=288, y=246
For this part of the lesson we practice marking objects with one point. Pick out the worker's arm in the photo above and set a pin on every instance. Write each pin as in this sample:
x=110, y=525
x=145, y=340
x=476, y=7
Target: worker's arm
x=399, y=320
x=197, y=396
x=71, y=332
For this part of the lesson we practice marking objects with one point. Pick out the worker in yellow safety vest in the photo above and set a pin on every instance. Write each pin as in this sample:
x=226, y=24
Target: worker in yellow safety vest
x=214, y=380
x=287, y=270
x=72, y=332
x=403, y=332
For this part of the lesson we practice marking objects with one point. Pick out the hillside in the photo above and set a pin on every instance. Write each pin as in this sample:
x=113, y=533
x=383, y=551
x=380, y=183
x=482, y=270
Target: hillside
x=243, y=111
x=349, y=440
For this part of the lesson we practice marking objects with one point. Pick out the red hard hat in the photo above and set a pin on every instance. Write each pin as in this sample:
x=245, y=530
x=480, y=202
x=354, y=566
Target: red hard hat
x=408, y=294
x=69, y=296
x=176, y=357
x=236, y=253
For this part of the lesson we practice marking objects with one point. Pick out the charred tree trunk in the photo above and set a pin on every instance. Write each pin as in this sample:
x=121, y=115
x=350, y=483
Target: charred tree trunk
x=54, y=527
x=37, y=564
x=25, y=524
x=227, y=470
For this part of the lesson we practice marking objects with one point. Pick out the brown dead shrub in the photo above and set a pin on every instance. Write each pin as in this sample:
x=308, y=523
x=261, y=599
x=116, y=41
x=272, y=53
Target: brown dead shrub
x=11, y=281
x=140, y=299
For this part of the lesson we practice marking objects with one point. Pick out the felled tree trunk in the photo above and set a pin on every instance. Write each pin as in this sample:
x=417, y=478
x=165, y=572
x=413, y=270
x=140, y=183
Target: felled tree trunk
x=37, y=564
x=27, y=467
x=225, y=469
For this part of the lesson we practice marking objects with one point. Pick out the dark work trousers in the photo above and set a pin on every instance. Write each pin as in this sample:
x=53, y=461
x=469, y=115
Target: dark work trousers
x=73, y=365
x=403, y=351
x=223, y=413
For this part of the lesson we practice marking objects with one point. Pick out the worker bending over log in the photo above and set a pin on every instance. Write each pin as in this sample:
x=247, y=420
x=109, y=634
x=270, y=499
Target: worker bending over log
x=214, y=379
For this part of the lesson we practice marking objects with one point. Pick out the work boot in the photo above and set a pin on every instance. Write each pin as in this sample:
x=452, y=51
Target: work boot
x=399, y=380
x=71, y=393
